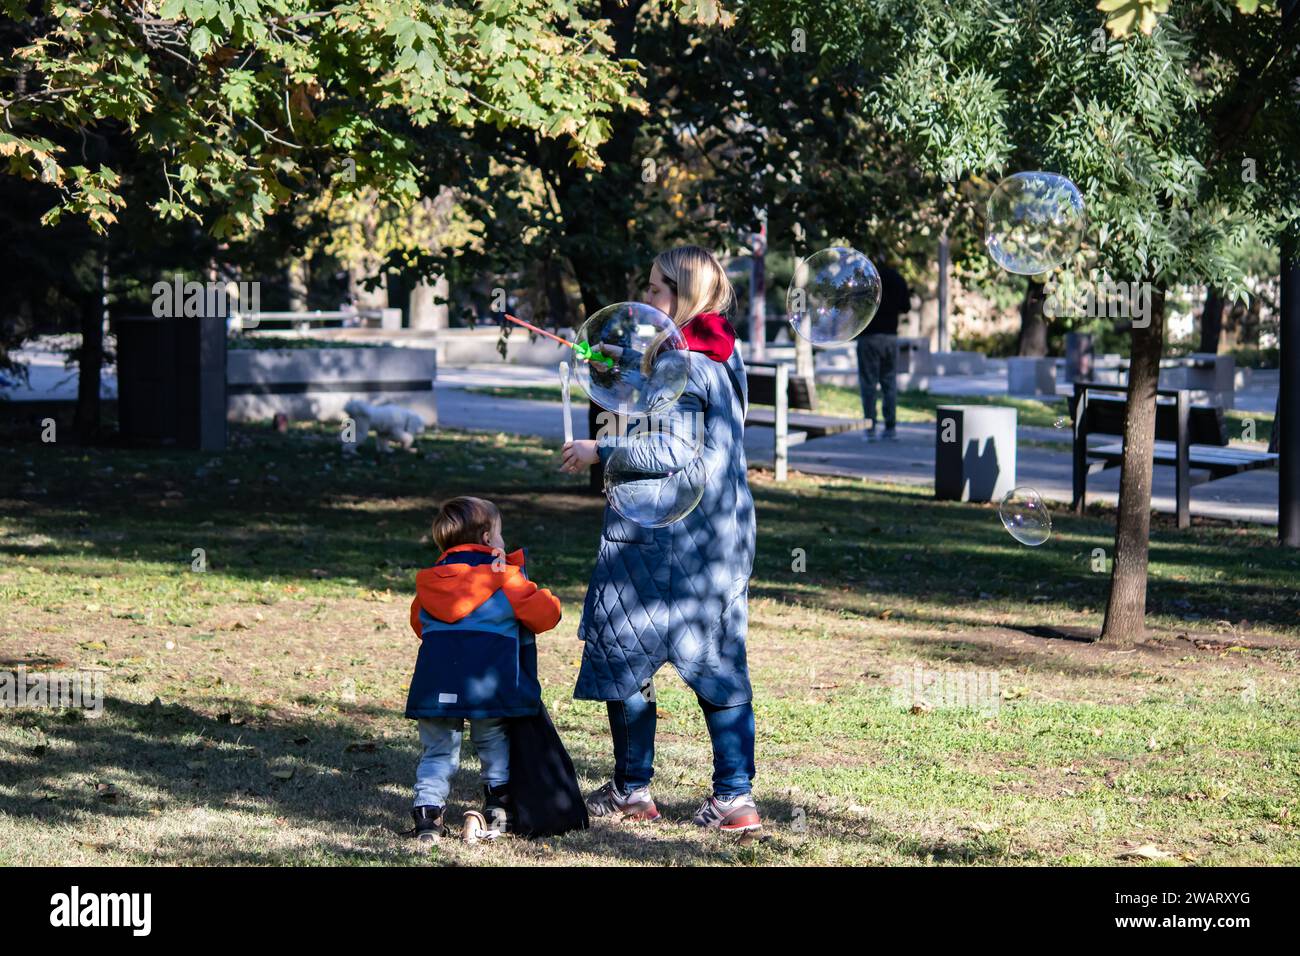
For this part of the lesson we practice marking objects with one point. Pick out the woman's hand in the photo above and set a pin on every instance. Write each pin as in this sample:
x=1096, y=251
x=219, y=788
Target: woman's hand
x=578, y=455
x=613, y=351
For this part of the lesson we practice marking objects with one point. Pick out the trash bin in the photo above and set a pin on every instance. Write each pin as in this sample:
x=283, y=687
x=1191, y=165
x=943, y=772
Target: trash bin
x=171, y=381
x=974, y=452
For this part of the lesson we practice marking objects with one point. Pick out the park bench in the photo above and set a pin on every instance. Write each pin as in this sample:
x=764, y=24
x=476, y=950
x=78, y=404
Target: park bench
x=1191, y=438
x=791, y=399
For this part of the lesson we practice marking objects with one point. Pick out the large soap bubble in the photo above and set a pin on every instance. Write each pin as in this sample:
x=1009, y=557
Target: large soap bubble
x=834, y=295
x=655, y=479
x=1025, y=515
x=632, y=359
x=1035, y=222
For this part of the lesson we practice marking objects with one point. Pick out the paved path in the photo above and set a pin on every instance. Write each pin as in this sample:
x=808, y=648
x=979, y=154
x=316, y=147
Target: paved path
x=910, y=460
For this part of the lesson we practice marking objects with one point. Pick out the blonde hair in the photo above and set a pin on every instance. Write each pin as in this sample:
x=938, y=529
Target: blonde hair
x=697, y=278
x=700, y=284
x=464, y=520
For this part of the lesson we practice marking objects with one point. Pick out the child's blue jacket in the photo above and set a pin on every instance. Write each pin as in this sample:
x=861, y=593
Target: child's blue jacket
x=476, y=624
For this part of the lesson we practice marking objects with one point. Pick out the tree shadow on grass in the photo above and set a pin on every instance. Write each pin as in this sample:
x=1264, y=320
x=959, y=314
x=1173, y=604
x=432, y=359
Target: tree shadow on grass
x=171, y=759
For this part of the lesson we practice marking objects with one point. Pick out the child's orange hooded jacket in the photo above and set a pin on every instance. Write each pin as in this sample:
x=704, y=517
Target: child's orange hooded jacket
x=476, y=625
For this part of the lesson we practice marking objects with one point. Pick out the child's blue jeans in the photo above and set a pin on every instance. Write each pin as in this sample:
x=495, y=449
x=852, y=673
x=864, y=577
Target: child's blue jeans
x=441, y=737
x=731, y=730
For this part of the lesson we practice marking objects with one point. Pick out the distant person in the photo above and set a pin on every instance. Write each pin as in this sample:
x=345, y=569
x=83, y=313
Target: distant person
x=877, y=348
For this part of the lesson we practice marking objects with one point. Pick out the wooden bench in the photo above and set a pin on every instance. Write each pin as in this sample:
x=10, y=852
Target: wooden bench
x=773, y=384
x=1188, y=437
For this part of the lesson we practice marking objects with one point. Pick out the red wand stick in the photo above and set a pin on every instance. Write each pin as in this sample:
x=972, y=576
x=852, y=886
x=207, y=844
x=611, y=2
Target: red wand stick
x=582, y=348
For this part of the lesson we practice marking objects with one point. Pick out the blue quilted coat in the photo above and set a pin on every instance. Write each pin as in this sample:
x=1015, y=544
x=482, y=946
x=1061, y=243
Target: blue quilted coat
x=679, y=593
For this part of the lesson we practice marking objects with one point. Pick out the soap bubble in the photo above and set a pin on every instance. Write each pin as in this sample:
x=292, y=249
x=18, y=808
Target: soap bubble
x=1035, y=222
x=833, y=296
x=1025, y=515
x=639, y=361
x=655, y=479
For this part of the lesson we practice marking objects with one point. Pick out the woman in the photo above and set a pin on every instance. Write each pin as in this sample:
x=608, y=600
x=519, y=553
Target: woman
x=680, y=593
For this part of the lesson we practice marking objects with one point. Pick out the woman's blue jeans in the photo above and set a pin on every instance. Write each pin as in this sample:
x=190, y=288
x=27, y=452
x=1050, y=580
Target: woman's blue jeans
x=731, y=730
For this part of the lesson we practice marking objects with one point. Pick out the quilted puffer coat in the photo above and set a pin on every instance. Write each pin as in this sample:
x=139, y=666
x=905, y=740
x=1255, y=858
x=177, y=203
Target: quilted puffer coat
x=679, y=593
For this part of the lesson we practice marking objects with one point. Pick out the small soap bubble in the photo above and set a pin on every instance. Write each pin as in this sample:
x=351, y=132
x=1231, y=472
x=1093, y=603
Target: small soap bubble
x=1035, y=222
x=834, y=295
x=1061, y=422
x=631, y=359
x=1025, y=516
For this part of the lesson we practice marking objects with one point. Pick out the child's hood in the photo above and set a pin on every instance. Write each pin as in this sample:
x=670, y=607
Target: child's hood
x=455, y=588
x=460, y=584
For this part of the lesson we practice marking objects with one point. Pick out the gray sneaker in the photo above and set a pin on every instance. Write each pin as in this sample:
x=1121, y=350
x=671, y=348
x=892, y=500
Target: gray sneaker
x=608, y=801
x=731, y=815
x=891, y=434
x=872, y=433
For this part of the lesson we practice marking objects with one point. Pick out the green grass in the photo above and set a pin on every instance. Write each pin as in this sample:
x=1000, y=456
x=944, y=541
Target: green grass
x=253, y=712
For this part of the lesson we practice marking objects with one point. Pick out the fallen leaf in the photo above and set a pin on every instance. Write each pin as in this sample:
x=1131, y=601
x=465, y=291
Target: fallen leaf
x=107, y=792
x=1147, y=851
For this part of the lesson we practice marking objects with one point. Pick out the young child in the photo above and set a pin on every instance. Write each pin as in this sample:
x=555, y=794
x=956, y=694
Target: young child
x=476, y=614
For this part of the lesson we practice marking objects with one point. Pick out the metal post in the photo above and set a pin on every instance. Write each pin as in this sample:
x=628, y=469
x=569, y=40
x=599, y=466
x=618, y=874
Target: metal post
x=1080, y=448
x=1182, y=480
x=782, y=420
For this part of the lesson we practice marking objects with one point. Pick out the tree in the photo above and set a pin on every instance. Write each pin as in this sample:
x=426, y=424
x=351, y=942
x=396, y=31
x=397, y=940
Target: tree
x=220, y=112
x=1153, y=128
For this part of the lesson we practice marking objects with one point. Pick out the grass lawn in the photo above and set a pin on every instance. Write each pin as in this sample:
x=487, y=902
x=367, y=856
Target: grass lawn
x=253, y=712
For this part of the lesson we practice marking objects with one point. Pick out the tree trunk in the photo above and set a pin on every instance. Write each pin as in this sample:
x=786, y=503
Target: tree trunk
x=296, y=275
x=90, y=362
x=944, y=343
x=1287, y=418
x=1211, y=321
x=557, y=301
x=758, y=295
x=1126, y=606
x=1033, y=326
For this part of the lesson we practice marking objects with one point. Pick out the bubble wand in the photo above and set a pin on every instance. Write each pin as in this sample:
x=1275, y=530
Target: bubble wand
x=583, y=349
x=564, y=392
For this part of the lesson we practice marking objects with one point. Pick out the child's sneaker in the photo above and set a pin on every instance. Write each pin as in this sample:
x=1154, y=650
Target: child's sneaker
x=731, y=815
x=608, y=801
x=496, y=808
x=428, y=823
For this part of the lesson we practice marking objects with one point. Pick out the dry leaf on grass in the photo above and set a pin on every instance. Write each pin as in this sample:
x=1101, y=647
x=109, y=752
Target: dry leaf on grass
x=1147, y=851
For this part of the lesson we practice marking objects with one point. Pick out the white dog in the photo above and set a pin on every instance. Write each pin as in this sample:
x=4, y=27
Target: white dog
x=391, y=423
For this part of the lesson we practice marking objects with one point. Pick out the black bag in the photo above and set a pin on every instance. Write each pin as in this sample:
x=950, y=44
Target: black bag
x=544, y=790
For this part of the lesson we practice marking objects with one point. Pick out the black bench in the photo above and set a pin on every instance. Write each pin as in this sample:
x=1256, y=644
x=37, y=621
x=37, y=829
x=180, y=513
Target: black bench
x=1188, y=437
x=773, y=384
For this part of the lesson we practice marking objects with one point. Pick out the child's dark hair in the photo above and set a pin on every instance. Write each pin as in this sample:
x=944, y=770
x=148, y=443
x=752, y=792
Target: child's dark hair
x=464, y=520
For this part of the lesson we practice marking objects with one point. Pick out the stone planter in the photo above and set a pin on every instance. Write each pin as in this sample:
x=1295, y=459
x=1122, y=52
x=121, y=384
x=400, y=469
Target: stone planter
x=315, y=384
x=1031, y=376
